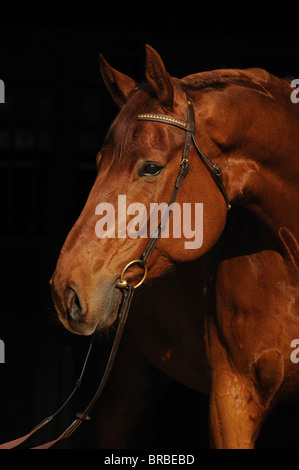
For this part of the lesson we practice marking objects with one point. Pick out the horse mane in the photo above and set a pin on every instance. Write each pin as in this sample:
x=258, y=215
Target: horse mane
x=253, y=78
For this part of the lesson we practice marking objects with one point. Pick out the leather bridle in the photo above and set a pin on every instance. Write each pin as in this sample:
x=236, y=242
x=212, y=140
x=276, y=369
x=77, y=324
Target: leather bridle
x=214, y=169
x=127, y=289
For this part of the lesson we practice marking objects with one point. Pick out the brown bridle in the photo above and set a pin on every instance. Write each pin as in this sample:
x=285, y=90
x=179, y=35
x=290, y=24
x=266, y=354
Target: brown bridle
x=214, y=169
x=127, y=289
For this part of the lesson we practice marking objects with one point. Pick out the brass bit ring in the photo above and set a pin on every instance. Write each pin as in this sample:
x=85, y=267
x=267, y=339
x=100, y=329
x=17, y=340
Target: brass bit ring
x=122, y=283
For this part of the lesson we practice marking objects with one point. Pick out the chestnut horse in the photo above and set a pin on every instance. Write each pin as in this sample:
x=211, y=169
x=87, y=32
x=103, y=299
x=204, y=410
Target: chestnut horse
x=219, y=318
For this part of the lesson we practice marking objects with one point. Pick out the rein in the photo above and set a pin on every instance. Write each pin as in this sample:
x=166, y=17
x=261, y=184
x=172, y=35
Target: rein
x=127, y=289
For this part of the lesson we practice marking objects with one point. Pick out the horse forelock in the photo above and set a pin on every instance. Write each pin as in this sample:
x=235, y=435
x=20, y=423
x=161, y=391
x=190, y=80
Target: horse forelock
x=122, y=129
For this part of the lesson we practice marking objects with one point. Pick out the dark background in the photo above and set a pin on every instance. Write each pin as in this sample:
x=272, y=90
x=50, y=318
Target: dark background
x=52, y=125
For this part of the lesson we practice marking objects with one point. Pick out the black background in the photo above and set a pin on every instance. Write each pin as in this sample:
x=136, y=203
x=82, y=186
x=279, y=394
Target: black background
x=52, y=124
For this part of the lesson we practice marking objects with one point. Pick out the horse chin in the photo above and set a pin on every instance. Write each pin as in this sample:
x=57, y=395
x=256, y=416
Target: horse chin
x=109, y=310
x=82, y=328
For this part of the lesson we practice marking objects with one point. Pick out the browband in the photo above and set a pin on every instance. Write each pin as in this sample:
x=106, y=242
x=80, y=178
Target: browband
x=186, y=126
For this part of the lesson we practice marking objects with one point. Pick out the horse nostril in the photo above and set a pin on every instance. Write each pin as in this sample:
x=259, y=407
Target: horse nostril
x=73, y=305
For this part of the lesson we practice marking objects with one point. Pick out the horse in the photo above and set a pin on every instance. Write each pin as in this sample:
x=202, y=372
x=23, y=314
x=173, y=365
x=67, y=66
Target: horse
x=219, y=317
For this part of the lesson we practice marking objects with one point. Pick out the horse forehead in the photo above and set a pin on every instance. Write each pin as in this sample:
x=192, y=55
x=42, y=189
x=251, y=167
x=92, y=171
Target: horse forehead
x=155, y=136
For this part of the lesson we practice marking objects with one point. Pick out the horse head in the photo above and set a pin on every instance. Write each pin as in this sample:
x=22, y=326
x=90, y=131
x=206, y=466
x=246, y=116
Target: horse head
x=137, y=167
x=244, y=119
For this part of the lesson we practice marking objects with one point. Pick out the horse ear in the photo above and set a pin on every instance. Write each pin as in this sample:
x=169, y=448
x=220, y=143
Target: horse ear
x=159, y=78
x=118, y=84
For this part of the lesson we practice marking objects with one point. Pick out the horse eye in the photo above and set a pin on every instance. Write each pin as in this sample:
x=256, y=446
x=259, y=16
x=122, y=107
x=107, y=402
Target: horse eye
x=150, y=169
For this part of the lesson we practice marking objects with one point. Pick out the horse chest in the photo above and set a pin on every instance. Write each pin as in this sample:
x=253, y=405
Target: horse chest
x=175, y=347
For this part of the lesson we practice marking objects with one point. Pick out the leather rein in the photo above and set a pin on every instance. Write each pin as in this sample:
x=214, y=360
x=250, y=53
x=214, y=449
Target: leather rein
x=127, y=289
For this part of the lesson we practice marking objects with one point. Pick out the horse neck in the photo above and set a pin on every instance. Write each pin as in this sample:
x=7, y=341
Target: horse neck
x=263, y=176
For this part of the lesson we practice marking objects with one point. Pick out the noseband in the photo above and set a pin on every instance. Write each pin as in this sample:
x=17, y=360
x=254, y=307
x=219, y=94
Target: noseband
x=122, y=284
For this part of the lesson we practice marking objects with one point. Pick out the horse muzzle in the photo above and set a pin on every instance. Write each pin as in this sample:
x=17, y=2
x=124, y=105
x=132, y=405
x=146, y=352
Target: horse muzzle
x=84, y=314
